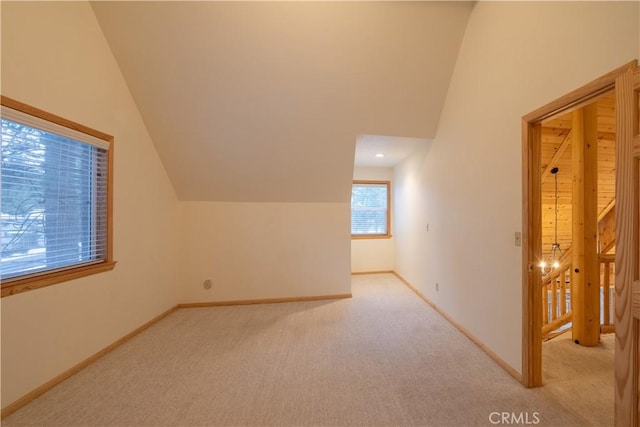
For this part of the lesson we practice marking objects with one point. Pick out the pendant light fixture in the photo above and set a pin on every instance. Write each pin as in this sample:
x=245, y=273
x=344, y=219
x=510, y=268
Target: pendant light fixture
x=552, y=262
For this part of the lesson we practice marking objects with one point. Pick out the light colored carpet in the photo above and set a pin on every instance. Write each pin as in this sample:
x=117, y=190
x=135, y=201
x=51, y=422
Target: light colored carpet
x=581, y=378
x=381, y=358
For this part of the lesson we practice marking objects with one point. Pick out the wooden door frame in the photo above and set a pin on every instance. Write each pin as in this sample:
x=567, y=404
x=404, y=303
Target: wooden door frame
x=532, y=214
x=627, y=313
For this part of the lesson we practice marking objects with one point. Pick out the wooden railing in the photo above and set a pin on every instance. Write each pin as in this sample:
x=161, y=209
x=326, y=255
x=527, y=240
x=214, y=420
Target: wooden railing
x=556, y=287
x=556, y=298
x=607, y=292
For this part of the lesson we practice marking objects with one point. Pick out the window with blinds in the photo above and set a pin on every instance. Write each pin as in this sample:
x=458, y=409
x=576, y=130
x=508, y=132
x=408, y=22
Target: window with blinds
x=54, y=200
x=370, y=209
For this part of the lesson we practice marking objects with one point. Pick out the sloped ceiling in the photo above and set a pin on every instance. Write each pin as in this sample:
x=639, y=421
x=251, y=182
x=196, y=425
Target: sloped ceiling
x=392, y=149
x=263, y=102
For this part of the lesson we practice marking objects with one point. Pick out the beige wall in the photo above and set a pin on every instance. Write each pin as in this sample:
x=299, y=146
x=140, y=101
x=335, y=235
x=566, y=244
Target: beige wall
x=515, y=57
x=466, y=186
x=264, y=250
x=373, y=254
x=55, y=57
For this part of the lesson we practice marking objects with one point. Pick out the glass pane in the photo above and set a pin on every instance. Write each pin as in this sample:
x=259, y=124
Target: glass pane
x=47, y=205
x=369, y=209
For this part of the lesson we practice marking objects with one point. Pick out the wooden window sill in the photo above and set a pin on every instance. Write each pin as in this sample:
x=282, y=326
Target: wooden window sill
x=18, y=285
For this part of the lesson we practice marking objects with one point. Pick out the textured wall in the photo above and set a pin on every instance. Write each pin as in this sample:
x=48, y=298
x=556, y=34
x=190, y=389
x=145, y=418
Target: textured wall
x=515, y=57
x=373, y=254
x=264, y=250
x=55, y=57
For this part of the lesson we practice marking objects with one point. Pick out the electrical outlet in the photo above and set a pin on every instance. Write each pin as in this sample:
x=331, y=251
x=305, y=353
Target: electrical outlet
x=518, y=238
x=208, y=284
x=427, y=227
x=437, y=286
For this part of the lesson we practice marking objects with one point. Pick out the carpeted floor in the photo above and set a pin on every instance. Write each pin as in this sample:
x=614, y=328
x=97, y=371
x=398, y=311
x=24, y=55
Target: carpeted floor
x=383, y=357
x=581, y=378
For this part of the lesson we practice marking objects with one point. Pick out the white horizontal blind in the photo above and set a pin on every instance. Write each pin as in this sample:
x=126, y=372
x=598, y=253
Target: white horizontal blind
x=50, y=127
x=53, y=203
x=369, y=204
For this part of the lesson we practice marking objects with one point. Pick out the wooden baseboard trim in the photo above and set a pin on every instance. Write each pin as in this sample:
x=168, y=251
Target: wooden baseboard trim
x=262, y=301
x=504, y=365
x=14, y=406
x=358, y=273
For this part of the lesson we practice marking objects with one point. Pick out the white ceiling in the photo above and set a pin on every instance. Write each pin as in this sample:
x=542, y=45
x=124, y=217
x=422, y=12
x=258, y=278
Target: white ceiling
x=394, y=149
x=263, y=101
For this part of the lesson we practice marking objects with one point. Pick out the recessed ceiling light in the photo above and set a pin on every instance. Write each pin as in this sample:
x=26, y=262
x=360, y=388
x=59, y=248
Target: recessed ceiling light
x=379, y=155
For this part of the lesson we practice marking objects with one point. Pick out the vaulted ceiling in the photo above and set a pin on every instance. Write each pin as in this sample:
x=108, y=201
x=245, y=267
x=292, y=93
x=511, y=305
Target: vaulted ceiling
x=263, y=101
x=557, y=152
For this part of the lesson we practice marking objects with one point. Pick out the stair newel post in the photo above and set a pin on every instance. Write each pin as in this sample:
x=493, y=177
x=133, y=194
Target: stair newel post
x=585, y=274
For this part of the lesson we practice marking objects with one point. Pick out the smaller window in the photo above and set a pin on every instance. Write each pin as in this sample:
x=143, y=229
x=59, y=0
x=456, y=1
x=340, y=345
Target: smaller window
x=370, y=210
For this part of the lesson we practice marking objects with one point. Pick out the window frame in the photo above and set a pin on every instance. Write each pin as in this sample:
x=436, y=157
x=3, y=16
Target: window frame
x=388, y=234
x=38, y=280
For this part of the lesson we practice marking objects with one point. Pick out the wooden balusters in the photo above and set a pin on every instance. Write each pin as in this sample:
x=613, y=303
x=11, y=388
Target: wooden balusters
x=555, y=299
x=607, y=291
x=607, y=266
x=563, y=294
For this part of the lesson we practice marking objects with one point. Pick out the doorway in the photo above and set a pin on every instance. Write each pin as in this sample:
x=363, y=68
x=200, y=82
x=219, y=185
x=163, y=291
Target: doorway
x=627, y=255
x=578, y=232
